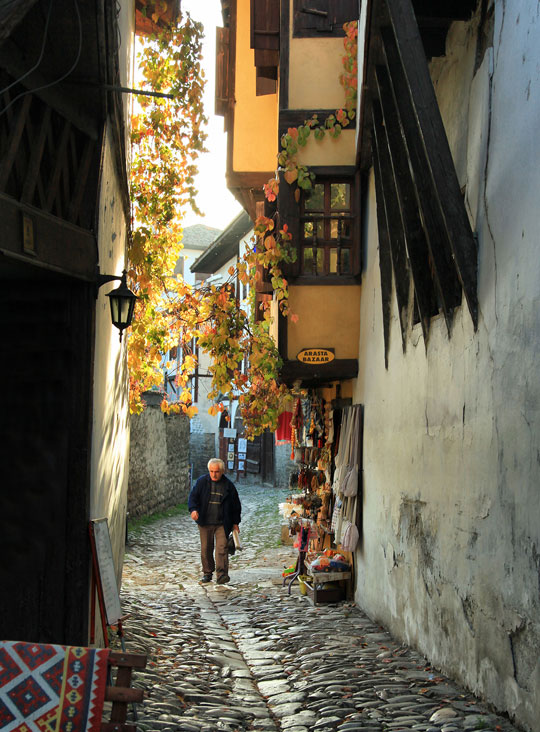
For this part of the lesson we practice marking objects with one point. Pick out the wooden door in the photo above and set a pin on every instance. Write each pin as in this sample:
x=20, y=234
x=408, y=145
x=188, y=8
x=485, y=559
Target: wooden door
x=45, y=372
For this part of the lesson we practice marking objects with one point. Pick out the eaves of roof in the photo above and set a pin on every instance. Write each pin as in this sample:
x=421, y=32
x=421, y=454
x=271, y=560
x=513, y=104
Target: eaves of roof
x=224, y=247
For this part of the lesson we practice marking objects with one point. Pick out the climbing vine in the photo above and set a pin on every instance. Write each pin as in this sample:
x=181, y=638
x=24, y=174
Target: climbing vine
x=168, y=135
x=167, y=138
x=297, y=137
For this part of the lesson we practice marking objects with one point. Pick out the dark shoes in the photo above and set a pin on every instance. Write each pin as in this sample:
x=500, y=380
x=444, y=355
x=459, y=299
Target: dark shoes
x=223, y=580
x=207, y=578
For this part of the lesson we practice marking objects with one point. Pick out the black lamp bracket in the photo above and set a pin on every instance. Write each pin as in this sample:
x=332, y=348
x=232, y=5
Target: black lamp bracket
x=103, y=279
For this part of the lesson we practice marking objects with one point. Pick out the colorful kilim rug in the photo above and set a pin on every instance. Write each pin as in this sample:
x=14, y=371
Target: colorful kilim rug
x=51, y=688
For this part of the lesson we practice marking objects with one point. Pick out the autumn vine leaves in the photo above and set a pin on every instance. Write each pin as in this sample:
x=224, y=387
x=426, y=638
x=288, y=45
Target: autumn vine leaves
x=168, y=136
x=297, y=137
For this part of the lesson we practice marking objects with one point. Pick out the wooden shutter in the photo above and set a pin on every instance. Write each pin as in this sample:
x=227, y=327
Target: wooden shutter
x=323, y=17
x=264, y=38
x=222, y=71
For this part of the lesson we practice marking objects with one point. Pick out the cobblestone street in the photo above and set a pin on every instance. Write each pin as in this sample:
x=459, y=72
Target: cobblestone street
x=248, y=656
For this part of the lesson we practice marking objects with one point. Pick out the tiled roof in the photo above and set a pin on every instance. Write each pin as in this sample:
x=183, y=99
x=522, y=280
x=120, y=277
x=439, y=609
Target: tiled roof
x=225, y=246
x=199, y=236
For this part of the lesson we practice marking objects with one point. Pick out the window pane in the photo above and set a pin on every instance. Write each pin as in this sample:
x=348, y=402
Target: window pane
x=339, y=225
x=333, y=261
x=308, y=260
x=340, y=196
x=345, y=261
x=308, y=229
x=320, y=261
x=314, y=200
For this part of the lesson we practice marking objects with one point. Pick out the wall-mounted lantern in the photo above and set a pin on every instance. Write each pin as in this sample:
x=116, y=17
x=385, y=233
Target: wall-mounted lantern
x=122, y=301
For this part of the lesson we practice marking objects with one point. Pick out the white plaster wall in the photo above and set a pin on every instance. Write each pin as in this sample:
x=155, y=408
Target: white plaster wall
x=110, y=424
x=450, y=558
x=110, y=419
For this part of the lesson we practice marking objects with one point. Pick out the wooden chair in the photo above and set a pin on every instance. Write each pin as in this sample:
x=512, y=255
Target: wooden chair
x=120, y=694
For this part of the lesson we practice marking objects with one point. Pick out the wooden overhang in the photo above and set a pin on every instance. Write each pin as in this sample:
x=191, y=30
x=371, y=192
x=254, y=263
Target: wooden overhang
x=424, y=231
x=58, y=71
x=246, y=186
x=316, y=375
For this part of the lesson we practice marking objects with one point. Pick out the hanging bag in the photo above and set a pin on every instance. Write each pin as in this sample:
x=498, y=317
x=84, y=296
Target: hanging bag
x=349, y=486
x=350, y=537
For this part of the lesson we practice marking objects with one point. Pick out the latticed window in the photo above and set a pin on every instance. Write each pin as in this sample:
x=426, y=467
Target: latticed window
x=327, y=229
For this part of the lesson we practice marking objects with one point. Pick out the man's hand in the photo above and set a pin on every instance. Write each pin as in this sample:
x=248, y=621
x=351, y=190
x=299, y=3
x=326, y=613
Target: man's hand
x=195, y=515
x=235, y=527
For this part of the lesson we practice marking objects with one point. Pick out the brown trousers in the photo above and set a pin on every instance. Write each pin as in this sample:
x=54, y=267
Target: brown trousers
x=209, y=535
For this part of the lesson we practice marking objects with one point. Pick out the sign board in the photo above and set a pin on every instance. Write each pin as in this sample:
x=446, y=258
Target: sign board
x=242, y=444
x=316, y=355
x=104, y=569
x=229, y=432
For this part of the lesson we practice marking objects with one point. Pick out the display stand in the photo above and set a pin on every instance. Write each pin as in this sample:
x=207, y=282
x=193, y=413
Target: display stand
x=321, y=577
x=300, y=561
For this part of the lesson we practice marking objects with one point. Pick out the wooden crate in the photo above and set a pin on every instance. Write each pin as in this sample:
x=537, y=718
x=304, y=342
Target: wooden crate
x=323, y=596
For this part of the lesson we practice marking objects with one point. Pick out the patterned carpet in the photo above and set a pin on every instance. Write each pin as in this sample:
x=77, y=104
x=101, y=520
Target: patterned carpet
x=51, y=688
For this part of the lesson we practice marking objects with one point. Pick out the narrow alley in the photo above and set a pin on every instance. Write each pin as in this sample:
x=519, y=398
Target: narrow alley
x=249, y=656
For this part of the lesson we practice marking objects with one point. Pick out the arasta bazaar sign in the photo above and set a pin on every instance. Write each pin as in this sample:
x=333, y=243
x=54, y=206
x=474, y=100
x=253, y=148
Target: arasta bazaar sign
x=316, y=355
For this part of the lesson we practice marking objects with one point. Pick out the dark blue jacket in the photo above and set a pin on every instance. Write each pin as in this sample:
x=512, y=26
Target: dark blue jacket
x=200, y=495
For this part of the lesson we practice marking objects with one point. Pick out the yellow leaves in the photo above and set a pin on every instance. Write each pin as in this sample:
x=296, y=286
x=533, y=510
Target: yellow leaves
x=185, y=396
x=167, y=138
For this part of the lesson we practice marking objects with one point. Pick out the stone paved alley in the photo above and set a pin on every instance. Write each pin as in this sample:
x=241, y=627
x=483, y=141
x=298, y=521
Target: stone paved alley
x=248, y=656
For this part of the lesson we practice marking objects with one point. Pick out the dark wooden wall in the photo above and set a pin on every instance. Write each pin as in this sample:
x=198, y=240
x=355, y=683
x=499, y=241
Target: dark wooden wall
x=44, y=447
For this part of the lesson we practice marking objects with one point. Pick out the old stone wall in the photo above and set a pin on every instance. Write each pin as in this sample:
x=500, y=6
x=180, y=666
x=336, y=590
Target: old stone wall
x=159, y=461
x=202, y=447
x=284, y=466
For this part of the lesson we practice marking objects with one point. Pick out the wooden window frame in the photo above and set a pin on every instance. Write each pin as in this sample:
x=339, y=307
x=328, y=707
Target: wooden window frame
x=327, y=243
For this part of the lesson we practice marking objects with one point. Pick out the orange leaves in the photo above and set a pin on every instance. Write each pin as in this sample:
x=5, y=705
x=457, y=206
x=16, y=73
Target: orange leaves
x=270, y=242
x=291, y=175
x=349, y=79
x=271, y=189
x=263, y=224
x=167, y=138
x=293, y=132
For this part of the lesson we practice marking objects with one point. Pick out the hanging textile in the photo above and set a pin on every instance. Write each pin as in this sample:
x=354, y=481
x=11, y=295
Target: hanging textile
x=284, y=428
x=346, y=477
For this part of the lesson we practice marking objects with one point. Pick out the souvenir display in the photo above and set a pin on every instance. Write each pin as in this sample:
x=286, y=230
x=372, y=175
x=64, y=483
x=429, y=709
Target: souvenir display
x=325, y=486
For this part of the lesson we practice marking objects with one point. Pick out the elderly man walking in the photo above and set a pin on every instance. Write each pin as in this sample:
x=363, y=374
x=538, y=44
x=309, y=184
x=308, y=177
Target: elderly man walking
x=215, y=505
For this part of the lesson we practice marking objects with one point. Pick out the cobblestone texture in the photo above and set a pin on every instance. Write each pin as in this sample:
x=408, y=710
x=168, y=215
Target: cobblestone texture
x=249, y=656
